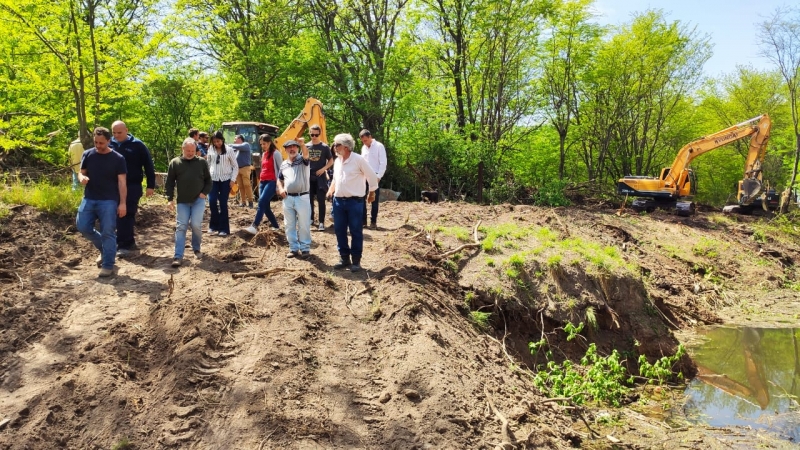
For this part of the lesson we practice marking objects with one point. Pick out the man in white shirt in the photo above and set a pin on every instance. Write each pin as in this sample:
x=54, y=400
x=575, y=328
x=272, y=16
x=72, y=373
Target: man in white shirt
x=351, y=172
x=375, y=154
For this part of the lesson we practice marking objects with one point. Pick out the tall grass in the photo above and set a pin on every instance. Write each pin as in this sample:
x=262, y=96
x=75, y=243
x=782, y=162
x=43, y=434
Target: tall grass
x=52, y=198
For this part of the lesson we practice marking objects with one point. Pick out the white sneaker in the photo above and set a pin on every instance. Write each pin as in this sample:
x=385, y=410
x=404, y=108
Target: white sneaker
x=251, y=229
x=321, y=227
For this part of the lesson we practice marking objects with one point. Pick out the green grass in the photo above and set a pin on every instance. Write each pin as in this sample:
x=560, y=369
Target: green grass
x=480, y=319
x=783, y=229
x=54, y=199
x=460, y=233
x=4, y=211
x=710, y=248
x=504, y=231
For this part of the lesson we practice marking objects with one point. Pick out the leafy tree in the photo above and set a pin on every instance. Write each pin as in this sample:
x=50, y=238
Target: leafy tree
x=780, y=43
x=565, y=56
x=641, y=82
x=93, y=46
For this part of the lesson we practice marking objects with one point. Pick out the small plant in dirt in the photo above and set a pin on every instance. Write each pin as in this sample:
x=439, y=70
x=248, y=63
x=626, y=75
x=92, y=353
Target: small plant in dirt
x=591, y=317
x=517, y=261
x=597, y=378
x=554, y=261
x=469, y=297
x=450, y=265
x=4, y=211
x=662, y=370
x=480, y=319
x=489, y=262
x=123, y=444
x=709, y=248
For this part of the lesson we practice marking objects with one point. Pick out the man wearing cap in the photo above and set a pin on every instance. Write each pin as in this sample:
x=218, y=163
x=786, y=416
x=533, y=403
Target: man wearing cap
x=192, y=178
x=293, y=185
x=140, y=164
x=351, y=172
x=375, y=154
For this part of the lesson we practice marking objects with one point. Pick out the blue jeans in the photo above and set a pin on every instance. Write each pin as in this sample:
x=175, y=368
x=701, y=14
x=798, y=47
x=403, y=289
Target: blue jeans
x=297, y=217
x=105, y=240
x=266, y=191
x=219, y=206
x=374, y=210
x=347, y=214
x=189, y=214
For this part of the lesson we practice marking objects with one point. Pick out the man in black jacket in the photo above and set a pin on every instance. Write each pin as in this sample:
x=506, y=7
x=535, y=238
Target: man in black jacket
x=140, y=163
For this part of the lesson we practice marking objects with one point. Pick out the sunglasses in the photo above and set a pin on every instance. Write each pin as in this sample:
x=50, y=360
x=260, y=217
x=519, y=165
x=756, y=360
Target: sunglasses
x=314, y=135
x=217, y=159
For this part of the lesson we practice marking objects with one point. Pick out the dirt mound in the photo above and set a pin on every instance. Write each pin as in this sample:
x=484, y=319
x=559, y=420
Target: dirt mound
x=303, y=356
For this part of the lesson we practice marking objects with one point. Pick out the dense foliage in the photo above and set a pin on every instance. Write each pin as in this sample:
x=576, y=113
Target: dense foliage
x=541, y=101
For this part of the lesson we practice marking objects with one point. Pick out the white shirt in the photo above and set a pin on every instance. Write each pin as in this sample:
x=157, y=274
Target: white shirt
x=375, y=155
x=349, y=177
x=223, y=168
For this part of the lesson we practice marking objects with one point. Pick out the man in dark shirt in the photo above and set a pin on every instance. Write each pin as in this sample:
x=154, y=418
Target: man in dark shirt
x=321, y=160
x=193, y=179
x=103, y=174
x=140, y=163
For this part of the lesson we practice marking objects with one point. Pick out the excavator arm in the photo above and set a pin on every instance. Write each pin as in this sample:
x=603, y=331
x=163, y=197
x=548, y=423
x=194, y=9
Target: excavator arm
x=310, y=115
x=678, y=181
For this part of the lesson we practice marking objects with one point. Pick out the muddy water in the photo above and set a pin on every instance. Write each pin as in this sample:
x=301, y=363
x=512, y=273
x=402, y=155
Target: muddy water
x=748, y=377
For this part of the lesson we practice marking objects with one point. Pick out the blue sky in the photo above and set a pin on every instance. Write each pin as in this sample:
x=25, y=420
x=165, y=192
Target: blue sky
x=732, y=25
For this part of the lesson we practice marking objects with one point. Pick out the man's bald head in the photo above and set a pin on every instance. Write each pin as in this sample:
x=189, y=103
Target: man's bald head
x=119, y=130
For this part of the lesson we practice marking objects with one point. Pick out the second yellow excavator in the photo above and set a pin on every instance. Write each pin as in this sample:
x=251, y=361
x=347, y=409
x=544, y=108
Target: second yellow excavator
x=677, y=184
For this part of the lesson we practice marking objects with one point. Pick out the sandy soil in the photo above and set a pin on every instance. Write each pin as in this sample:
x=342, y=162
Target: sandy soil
x=306, y=357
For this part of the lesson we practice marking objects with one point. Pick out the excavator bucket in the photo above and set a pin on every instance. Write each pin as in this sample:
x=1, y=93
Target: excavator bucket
x=751, y=189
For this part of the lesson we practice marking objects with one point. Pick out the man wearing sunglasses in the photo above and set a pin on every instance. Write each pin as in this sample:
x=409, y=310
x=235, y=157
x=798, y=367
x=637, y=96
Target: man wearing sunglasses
x=321, y=160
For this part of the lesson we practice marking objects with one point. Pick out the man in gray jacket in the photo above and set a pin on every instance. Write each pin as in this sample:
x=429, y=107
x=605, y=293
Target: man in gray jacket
x=193, y=180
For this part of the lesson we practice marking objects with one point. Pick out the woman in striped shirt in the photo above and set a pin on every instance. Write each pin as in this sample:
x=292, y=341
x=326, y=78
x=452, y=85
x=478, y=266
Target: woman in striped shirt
x=222, y=165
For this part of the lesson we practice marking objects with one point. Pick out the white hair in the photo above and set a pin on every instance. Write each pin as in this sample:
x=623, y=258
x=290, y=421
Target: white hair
x=346, y=140
x=189, y=141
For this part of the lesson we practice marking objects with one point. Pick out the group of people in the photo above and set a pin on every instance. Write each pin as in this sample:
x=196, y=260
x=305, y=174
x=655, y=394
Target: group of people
x=112, y=173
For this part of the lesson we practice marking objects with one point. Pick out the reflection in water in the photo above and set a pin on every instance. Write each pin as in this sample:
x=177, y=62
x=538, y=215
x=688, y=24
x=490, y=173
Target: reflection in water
x=748, y=376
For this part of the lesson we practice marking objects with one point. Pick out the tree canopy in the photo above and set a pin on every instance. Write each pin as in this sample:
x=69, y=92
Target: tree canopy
x=538, y=101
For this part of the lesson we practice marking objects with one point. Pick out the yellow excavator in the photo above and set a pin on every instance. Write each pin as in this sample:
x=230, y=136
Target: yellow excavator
x=676, y=186
x=310, y=115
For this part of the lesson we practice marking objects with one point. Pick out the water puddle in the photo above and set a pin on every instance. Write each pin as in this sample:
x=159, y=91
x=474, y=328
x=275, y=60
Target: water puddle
x=747, y=377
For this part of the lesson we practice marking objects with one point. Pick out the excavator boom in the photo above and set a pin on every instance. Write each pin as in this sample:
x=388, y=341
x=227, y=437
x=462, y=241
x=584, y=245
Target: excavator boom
x=678, y=180
x=310, y=115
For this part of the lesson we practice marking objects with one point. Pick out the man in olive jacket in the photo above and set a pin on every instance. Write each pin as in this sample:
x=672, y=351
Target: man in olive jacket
x=193, y=179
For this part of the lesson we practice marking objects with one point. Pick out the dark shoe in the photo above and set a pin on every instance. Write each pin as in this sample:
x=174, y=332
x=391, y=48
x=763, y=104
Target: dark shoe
x=123, y=252
x=344, y=261
x=198, y=255
x=106, y=272
x=176, y=262
x=373, y=226
x=305, y=254
x=356, y=267
x=293, y=254
x=250, y=205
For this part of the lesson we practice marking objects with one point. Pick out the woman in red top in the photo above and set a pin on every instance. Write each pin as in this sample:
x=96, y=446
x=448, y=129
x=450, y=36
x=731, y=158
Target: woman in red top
x=271, y=160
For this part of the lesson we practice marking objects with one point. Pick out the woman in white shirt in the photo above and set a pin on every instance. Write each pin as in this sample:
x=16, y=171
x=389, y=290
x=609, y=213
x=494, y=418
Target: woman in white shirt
x=222, y=165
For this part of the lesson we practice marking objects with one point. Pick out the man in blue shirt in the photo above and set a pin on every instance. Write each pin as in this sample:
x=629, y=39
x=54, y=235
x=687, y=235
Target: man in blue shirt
x=139, y=163
x=103, y=175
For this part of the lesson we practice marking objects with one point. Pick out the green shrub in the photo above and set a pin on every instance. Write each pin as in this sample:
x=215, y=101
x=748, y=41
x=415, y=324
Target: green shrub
x=55, y=199
x=551, y=193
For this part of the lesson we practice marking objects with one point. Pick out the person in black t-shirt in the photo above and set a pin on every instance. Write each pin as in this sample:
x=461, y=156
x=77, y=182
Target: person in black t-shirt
x=104, y=174
x=321, y=160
